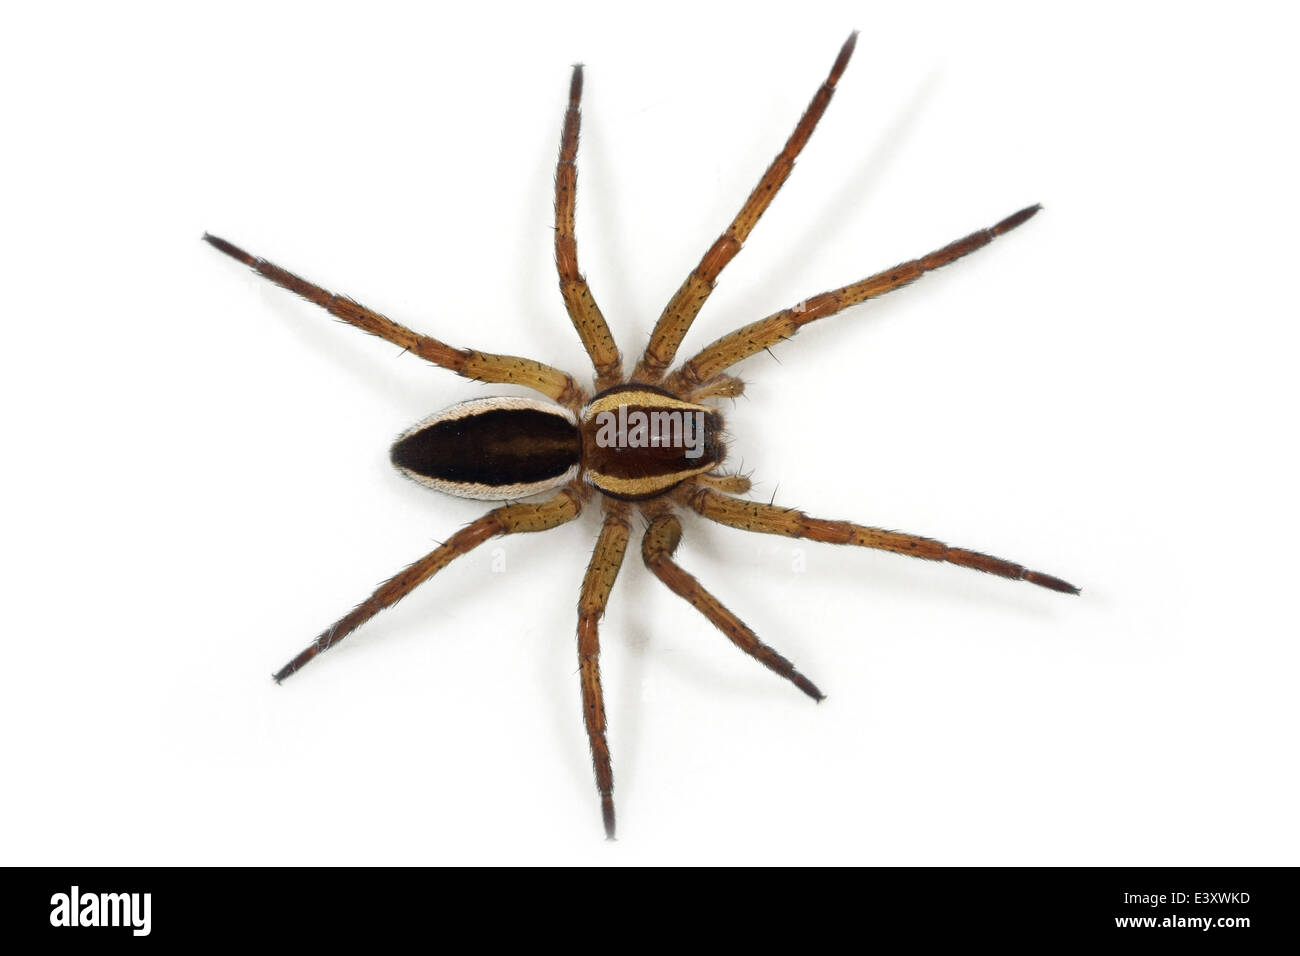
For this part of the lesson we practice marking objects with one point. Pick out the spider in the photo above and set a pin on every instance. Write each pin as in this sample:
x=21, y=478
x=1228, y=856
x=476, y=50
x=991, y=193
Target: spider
x=642, y=442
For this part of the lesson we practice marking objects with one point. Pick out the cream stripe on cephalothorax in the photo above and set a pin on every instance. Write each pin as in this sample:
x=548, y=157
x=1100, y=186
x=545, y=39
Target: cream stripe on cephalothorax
x=639, y=396
x=646, y=486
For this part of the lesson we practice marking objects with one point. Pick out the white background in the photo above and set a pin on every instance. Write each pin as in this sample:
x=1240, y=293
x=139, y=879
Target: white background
x=197, y=478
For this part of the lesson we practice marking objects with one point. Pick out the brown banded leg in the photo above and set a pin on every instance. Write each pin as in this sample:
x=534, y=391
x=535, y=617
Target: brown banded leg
x=686, y=303
x=771, y=519
x=592, y=600
x=480, y=366
x=657, y=547
x=578, y=300
x=510, y=519
x=755, y=337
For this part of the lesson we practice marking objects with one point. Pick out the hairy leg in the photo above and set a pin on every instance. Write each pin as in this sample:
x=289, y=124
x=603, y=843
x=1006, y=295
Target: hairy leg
x=657, y=547
x=511, y=519
x=594, y=597
x=771, y=519
x=480, y=366
x=686, y=303
x=578, y=300
x=765, y=333
x=720, y=386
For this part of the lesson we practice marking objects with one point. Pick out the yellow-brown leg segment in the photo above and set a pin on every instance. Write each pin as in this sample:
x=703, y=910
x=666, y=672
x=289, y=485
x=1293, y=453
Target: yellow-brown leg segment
x=771, y=519
x=686, y=303
x=480, y=366
x=731, y=484
x=596, y=585
x=660, y=541
x=578, y=300
x=755, y=337
x=720, y=386
x=511, y=519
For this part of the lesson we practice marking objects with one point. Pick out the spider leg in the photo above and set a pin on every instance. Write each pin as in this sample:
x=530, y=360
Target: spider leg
x=578, y=300
x=686, y=303
x=510, y=519
x=732, y=484
x=773, y=519
x=720, y=386
x=480, y=366
x=765, y=333
x=660, y=541
x=592, y=600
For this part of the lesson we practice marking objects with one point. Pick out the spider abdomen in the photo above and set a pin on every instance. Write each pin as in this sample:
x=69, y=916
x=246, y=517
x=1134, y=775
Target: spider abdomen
x=641, y=441
x=492, y=449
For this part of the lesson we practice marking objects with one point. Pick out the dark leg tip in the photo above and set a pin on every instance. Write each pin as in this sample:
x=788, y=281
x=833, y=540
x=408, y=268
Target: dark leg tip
x=229, y=249
x=607, y=815
x=842, y=60
x=1047, y=581
x=808, y=687
x=575, y=85
x=1016, y=219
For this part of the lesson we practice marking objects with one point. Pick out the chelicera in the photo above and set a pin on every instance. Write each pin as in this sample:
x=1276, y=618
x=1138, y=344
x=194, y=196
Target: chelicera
x=645, y=442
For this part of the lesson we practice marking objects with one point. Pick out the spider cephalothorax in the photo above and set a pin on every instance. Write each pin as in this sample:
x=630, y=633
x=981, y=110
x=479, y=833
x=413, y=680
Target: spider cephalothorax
x=644, y=441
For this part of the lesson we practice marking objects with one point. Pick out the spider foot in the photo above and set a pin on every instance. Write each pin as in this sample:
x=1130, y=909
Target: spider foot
x=1047, y=581
x=607, y=814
